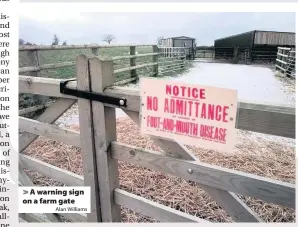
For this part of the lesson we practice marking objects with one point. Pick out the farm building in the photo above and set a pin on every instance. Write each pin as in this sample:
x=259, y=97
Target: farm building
x=181, y=42
x=253, y=45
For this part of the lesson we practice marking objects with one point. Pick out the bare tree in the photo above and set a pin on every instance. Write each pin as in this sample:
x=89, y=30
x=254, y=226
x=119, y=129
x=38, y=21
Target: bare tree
x=64, y=43
x=108, y=38
x=55, y=40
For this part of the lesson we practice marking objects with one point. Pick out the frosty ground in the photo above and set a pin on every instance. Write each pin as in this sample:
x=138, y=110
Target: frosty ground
x=256, y=153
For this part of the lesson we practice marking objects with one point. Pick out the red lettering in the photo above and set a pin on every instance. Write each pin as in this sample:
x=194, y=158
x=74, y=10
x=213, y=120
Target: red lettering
x=153, y=122
x=197, y=109
x=217, y=114
x=225, y=114
x=202, y=94
x=213, y=112
x=166, y=108
x=187, y=128
x=222, y=134
x=172, y=106
x=175, y=90
x=168, y=90
x=190, y=107
x=179, y=107
x=210, y=112
x=213, y=133
x=203, y=112
x=215, y=136
x=195, y=129
x=178, y=126
x=185, y=91
x=152, y=103
x=206, y=131
x=168, y=124
x=195, y=93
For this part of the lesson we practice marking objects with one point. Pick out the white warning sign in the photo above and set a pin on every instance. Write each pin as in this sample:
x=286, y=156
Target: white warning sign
x=54, y=200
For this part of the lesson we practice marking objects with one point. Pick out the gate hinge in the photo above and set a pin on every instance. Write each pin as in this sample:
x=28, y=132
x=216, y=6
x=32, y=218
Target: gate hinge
x=93, y=96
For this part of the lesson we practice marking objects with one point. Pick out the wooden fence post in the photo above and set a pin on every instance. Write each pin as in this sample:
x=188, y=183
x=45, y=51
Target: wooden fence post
x=87, y=139
x=95, y=51
x=155, y=59
x=133, y=72
x=34, y=61
x=276, y=62
x=104, y=122
x=235, y=55
x=288, y=66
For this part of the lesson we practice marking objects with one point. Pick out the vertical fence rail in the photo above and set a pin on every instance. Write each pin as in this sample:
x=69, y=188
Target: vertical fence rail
x=104, y=127
x=33, y=60
x=204, y=53
x=87, y=139
x=291, y=66
x=95, y=51
x=155, y=60
x=171, y=59
x=133, y=72
x=286, y=61
x=235, y=55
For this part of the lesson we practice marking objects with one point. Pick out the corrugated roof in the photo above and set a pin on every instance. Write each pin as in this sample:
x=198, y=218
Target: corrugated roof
x=179, y=37
x=252, y=32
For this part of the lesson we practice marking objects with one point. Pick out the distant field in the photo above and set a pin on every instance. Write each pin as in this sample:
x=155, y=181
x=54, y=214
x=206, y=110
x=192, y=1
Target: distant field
x=59, y=56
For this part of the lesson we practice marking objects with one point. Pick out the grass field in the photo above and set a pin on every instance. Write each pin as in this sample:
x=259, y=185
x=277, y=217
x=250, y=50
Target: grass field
x=59, y=56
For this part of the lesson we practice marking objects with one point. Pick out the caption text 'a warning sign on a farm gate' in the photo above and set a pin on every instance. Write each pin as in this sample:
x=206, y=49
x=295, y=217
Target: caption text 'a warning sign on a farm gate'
x=54, y=200
x=196, y=115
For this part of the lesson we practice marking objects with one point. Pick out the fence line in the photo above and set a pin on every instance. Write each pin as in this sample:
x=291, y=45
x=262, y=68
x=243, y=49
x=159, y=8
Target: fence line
x=286, y=61
x=36, y=68
x=159, y=64
x=268, y=119
x=67, y=47
x=122, y=197
x=167, y=55
x=205, y=53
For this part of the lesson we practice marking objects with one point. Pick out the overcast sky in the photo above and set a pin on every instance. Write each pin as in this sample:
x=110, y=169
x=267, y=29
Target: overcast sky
x=142, y=28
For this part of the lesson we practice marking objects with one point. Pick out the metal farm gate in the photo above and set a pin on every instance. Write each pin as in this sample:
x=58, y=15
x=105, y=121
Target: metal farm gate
x=286, y=61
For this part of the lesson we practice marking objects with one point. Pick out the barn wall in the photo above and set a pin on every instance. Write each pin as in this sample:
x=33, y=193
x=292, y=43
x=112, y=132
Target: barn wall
x=244, y=40
x=261, y=45
x=274, y=38
x=172, y=42
x=180, y=42
x=189, y=44
x=264, y=53
x=167, y=42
